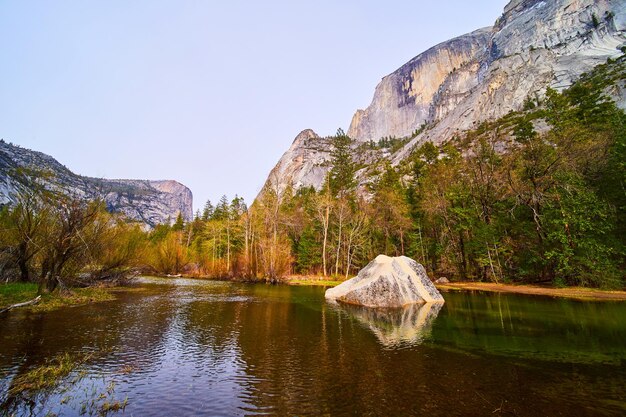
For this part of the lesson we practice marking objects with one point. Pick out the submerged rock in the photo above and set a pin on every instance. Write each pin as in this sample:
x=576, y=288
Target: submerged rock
x=387, y=282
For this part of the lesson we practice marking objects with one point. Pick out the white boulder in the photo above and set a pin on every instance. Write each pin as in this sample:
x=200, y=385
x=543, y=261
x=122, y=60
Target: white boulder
x=387, y=282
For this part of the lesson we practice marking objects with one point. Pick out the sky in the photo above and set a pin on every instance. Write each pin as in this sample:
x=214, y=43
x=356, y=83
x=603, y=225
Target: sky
x=208, y=93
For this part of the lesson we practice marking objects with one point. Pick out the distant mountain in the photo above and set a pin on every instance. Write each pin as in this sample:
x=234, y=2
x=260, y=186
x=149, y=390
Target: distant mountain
x=481, y=76
x=149, y=202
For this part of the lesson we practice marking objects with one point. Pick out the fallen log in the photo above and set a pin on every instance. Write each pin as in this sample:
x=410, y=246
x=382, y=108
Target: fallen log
x=24, y=304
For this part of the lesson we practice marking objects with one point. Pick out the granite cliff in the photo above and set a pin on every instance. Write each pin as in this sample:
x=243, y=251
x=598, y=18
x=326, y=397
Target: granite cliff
x=148, y=202
x=477, y=77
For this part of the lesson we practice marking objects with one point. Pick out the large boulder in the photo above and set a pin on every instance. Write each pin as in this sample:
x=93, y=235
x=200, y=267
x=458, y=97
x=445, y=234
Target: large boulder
x=387, y=282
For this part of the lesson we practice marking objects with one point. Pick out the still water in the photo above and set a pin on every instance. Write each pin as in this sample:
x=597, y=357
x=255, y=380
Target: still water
x=183, y=347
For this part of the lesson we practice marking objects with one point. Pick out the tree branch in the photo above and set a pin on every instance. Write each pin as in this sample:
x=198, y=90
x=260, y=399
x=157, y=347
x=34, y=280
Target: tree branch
x=24, y=304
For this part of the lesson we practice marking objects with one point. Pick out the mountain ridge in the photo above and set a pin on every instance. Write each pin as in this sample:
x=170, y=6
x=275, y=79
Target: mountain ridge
x=151, y=202
x=476, y=77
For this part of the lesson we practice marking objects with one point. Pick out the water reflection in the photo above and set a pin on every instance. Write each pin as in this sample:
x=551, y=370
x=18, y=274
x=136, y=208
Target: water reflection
x=396, y=327
x=191, y=348
x=534, y=327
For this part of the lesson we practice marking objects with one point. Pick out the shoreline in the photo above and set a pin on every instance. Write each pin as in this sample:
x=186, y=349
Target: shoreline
x=79, y=296
x=16, y=293
x=576, y=293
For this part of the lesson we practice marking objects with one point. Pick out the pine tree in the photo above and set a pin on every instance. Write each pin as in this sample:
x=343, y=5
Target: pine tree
x=343, y=166
x=222, y=209
x=207, y=212
x=179, y=224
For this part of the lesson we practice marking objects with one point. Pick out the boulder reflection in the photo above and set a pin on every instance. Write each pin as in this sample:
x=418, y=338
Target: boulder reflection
x=395, y=327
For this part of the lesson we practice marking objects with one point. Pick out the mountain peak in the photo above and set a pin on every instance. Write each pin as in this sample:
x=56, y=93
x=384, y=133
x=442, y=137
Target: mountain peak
x=483, y=75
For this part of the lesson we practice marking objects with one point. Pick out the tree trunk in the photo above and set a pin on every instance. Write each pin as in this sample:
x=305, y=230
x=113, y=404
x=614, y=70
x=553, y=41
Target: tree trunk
x=246, y=249
x=419, y=229
x=338, y=244
x=325, y=238
x=228, y=248
x=24, y=276
x=463, y=257
x=348, y=260
x=493, y=271
x=47, y=284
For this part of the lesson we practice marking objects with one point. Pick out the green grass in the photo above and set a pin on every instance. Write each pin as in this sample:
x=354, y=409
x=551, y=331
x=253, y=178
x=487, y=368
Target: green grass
x=19, y=292
x=16, y=293
x=76, y=296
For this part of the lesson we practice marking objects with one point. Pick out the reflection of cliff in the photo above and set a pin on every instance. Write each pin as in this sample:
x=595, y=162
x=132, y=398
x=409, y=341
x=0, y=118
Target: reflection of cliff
x=397, y=326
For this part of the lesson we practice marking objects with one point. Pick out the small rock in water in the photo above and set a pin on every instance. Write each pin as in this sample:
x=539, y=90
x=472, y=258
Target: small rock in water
x=387, y=282
x=442, y=280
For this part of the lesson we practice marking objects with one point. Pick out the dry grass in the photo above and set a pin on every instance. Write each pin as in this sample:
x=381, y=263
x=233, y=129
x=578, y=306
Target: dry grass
x=48, y=375
x=312, y=280
x=578, y=293
x=112, y=407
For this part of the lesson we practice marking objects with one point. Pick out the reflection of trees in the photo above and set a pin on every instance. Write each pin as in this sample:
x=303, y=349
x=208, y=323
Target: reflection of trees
x=210, y=328
x=28, y=351
x=396, y=326
x=533, y=327
x=301, y=359
x=128, y=332
x=284, y=351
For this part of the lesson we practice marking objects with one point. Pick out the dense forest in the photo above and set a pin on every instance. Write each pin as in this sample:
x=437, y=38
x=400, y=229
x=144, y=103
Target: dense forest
x=536, y=196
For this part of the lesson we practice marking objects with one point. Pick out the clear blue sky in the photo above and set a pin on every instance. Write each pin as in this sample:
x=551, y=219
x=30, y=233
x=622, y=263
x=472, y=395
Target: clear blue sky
x=209, y=93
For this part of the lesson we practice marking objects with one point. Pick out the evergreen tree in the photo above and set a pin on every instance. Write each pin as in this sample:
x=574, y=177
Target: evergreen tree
x=179, y=224
x=207, y=211
x=222, y=210
x=343, y=166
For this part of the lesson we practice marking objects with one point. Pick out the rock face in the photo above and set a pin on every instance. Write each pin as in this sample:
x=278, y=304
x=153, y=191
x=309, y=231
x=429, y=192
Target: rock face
x=148, y=202
x=480, y=76
x=304, y=163
x=402, y=100
x=387, y=282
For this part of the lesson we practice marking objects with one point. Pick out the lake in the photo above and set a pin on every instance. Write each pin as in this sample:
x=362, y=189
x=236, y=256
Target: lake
x=181, y=347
